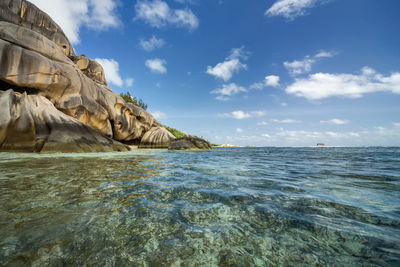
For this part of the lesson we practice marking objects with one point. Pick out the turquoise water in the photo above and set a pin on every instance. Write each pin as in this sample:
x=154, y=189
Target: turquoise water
x=226, y=207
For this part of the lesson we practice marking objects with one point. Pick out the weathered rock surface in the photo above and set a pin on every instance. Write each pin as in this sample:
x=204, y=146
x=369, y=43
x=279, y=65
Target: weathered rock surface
x=189, y=143
x=36, y=58
x=90, y=68
x=30, y=60
x=27, y=15
x=30, y=123
x=156, y=137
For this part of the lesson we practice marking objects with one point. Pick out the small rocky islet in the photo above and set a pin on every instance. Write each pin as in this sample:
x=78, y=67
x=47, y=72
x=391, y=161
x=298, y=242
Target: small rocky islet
x=52, y=100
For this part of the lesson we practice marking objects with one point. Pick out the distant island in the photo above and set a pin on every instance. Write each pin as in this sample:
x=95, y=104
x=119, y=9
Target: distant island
x=224, y=145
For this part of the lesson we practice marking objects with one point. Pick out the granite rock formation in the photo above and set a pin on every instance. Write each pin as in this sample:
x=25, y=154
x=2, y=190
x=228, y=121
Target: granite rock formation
x=189, y=142
x=31, y=123
x=156, y=137
x=37, y=58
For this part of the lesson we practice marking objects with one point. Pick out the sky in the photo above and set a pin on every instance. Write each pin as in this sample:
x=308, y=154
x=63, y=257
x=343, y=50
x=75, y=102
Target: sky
x=259, y=72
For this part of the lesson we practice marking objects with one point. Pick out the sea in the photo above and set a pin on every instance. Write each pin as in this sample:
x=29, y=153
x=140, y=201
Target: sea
x=226, y=207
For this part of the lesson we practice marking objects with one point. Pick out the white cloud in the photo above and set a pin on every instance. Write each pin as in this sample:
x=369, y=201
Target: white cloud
x=129, y=82
x=231, y=65
x=239, y=130
x=151, y=44
x=286, y=121
x=240, y=115
x=291, y=9
x=156, y=65
x=262, y=123
x=323, y=54
x=396, y=124
x=271, y=80
x=336, y=121
x=227, y=90
x=71, y=15
x=298, y=67
x=324, y=85
x=158, y=115
x=158, y=14
x=111, y=70
x=284, y=104
x=266, y=135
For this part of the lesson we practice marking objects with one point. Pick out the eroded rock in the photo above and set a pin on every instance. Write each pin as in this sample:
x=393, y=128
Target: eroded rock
x=37, y=58
x=26, y=14
x=189, y=142
x=31, y=123
x=30, y=60
x=156, y=137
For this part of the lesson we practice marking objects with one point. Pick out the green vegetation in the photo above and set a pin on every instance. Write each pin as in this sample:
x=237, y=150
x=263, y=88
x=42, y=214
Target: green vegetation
x=131, y=99
x=175, y=132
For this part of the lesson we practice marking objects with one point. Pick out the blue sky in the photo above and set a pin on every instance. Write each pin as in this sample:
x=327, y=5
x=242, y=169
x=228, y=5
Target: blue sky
x=260, y=72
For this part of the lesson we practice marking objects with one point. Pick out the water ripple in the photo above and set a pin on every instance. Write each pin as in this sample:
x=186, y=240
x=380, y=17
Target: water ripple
x=227, y=207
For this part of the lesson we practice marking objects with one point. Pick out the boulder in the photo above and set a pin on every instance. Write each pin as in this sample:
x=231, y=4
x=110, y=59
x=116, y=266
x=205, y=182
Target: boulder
x=37, y=61
x=26, y=14
x=90, y=68
x=156, y=137
x=30, y=60
x=189, y=142
x=31, y=123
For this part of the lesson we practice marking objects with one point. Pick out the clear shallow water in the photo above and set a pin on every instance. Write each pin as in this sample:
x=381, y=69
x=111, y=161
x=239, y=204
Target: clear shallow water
x=227, y=207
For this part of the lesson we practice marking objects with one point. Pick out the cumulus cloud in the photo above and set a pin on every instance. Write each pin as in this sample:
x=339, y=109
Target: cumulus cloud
x=158, y=14
x=156, y=65
x=262, y=123
x=71, y=15
x=240, y=114
x=291, y=9
x=231, y=65
x=239, y=130
x=271, y=80
x=111, y=71
x=298, y=67
x=286, y=121
x=336, y=121
x=228, y=90
x=151, y=44
x=324, y=85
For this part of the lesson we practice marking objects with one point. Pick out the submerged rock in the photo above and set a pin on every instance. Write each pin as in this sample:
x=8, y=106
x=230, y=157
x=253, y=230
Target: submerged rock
x=30, y=123
x=189, y=143
x=156, y=137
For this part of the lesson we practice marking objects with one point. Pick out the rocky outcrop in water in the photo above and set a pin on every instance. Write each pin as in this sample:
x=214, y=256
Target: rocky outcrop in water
x=31, y=123
x=38, y=61
x=189, y=143
x=156, y=137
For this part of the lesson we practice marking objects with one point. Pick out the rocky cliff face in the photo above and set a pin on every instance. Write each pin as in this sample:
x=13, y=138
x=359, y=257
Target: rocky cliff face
x=38, y=64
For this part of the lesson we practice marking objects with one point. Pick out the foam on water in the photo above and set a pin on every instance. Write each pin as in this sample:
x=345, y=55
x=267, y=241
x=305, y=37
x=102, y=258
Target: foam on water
x=228, y=207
